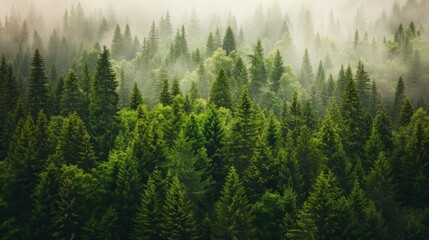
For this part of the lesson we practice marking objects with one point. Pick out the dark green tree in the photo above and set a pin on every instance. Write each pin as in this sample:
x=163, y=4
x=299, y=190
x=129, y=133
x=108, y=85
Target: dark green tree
x=72, y=97
x=258, y=72
x=148, y=217
x=399, y=100
x=104, y=106
x=136, y=97
x=239, y=78
x=233, y=211
x=277, y=72
x=175, y=88
x=244, y=133
x=228, y=43
x=220, y=94
x=406, y=113
x=178, y=220
x=164, y=95
x=363, y=84
x=38, y=93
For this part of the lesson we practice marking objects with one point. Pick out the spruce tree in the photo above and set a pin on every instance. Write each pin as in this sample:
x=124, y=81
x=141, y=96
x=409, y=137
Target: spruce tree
x=148, y=217
x=229, y=44
x=239, y=78
x=175, y=88
x=85, y=86
x=244, y=133
x=363, y=84
x=306, y=75
x=257, y=71
x=178, y=222
x=406, y=113
x=9, y=94
x=219, y=93
x=71, y=100
x=322, y=210
x=136, y=97
x=341, y=83
x=124, y=91
x=233, y=211
x=399, y=100
x=164, y=95
x=277, y=72
x=74, y=146
x=117, y=43
x=210, y=46
x=104, y=106
x=38, y=93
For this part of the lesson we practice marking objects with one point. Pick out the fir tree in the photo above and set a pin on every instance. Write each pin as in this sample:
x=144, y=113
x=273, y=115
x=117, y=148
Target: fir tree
x=399, y=100
x=306, y=76
x=148, y=217
x=406, y=113
x=239, y=78
x=178, y=221
x=244, y=132
x=164, y=95
x=117, y=43
x=233, y=211
x=210, y=46
x=341, y=83
x=103, y=108
x=136, y=97
x=124, y=92
x=229, y=44
x=257, y=71
x=71, y=100
x=363, y=84
x=277, y=72
x=175, y=88
x=38, y=96
x=220, y=94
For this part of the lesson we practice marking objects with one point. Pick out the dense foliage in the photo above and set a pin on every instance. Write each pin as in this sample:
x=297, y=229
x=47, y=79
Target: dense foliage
x=221, y=137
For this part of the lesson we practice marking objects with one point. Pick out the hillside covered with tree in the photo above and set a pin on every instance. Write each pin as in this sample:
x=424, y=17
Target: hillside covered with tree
x=251, y=120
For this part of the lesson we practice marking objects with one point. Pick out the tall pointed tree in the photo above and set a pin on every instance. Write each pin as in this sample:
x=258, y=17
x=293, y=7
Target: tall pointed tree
x=104, y=106
x=178, y=221
x=219, y=93
x=306, y=76
x=257, y=71
x=399, y=100
x=71, y=101
x=233, y=211
x=38, y=95
x=136, y=97
x=277, y=72
x=229, y=44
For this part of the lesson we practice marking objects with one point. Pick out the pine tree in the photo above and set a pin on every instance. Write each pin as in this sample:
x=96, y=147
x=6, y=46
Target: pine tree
x=104, y=106
x=148, y=217
x=341, y=83
x=74, y=145
x=210, y=46
x=85, y=86
x=215, y=139
x=380, y=188
x=363, y=84
x=164, y=95
x=38, y=95
x=175, y=88
x=306, y=76
x=127, y=192
x=136, y=97
x=277, y=72
x=244, y=133
x=229, y=44
x=257, y=71
x=66, y=220
x=127, y=43
x=233, y=211
x=10, y=91
x=194, y=93
x=352, y=117
x=220, y=94
x=406, y=113
x=124, y=91
x=239, y=78
x=320, y=215
x=399, y=100
x=153, y=40
x=117, y=43
x=178, y=221
x=71, y=100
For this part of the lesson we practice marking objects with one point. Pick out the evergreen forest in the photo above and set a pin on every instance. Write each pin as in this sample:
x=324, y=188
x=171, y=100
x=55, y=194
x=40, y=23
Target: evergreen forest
x=222, y=120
